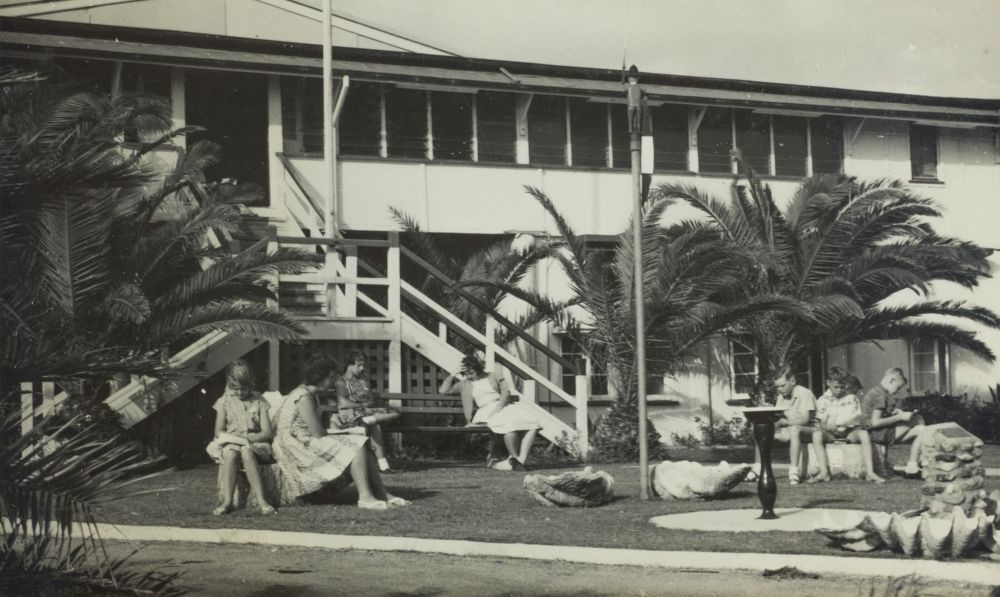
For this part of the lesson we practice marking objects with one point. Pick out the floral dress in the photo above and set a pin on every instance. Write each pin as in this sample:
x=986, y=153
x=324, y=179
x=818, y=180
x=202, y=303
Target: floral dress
x=242, y=417
x=308, y=463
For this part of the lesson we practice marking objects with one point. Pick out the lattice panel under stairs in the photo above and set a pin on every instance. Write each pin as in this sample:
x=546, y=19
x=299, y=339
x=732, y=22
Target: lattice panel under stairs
x=420, y=375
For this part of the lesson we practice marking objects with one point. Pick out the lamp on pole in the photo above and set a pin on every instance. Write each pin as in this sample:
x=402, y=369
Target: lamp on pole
x=635, y=120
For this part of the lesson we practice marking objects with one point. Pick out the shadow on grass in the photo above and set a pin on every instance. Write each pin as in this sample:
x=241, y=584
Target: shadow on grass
x=826, y=502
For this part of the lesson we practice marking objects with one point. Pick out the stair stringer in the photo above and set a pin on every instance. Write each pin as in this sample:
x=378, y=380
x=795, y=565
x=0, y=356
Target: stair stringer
x=144, y=396
x=442, y=354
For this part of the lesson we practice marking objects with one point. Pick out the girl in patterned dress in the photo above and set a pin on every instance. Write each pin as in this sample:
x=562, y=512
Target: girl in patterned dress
x=242, y=434
x=309, y=458
x=356, y=406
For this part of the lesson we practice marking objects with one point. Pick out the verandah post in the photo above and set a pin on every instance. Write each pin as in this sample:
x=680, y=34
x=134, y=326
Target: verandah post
x=395, y=313
x=582, y=411
x=273, y=346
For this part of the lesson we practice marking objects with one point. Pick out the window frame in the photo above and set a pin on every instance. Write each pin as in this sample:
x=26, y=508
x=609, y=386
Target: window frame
x=941, y=371
x=934, y=147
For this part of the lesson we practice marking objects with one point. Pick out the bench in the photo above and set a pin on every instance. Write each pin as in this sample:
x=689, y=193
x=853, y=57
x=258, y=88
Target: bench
x=846, y=460
x=422, y=404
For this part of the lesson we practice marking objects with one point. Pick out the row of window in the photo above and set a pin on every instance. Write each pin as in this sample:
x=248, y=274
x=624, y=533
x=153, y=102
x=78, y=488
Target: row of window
x=387, y=121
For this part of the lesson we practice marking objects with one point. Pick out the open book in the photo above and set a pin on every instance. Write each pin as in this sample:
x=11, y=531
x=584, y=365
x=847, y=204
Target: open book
x=346, y=431
x=228, y=438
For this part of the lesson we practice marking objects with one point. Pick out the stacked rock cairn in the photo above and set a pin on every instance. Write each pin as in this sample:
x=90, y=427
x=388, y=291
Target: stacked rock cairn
x=953, y=474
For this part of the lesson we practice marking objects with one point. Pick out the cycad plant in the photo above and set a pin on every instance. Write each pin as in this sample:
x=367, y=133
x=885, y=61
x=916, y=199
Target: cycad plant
x=54, y=479
x=842, y=246
x=96, y=279
x=694, y=290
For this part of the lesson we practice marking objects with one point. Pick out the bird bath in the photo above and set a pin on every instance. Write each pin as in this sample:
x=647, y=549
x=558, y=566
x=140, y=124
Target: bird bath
x=763, y=419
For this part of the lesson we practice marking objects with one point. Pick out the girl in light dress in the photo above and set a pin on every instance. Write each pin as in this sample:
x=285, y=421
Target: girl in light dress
x=309, y=458
x=486, y=400
x=356, y=406
x=242, y=435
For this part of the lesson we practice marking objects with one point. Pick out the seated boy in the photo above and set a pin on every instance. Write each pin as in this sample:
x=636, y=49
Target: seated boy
x=887, y=423
x=800, y=405
x=838, y=414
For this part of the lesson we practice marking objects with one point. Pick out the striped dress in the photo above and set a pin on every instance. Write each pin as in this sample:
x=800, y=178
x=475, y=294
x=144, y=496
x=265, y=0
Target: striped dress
x=309, y=463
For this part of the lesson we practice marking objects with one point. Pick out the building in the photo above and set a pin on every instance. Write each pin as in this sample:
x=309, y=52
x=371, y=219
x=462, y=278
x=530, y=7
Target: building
x=452, y=140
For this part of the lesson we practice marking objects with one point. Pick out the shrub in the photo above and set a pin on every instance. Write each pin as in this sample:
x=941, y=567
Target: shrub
x=979, y=417
x=734, y=431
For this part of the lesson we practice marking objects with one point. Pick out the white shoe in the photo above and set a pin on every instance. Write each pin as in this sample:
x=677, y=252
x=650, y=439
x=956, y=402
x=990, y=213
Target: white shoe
x=503, y=465
x=395, y=500
x=373, y=505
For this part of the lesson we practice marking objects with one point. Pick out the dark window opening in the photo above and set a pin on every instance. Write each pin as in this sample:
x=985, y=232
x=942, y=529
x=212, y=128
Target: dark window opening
x=923, y=152
x=359, y=127
x=572, y=352
x=715, y=141
x=302, y=115
x=790, y=145
x=670, y=137
x=589, y=130
x=827, y=142
x=406, y=123
x=232, y=107
x=496, y=133
x=753, y=138
x=451, y=118
x=547, y=130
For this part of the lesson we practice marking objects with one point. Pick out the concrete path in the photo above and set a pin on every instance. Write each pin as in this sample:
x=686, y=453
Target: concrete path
x=979, y=572
x=264, y=570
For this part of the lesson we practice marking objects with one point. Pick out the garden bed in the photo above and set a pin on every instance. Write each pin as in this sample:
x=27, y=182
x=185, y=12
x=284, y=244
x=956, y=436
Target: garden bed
x=461, y=500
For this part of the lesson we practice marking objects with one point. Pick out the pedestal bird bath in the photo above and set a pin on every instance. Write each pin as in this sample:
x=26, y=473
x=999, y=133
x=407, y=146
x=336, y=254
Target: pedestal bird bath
x=763, y=418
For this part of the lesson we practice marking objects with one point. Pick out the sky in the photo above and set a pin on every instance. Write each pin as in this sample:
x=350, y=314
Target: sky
x=941, y=48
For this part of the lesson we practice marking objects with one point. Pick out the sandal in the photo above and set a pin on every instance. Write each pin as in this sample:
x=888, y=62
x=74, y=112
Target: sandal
x=819, y=479
x=268, y=510
x=395, y=500
x=793, y=478
x=222, y=510
x=373, y=505
x=875, y=479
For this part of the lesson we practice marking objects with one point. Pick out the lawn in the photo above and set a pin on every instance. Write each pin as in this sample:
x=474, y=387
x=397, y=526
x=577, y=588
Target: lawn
x=463, y=500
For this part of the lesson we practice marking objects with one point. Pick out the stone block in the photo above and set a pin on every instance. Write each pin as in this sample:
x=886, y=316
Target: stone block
x=686, y=480
x=846, y=460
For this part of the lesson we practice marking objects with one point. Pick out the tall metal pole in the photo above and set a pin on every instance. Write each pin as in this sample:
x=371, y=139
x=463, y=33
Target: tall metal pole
x=329, y=223
x=634, y=96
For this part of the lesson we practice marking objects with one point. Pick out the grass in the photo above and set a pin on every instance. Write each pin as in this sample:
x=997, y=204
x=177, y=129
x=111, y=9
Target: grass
x=462, y=500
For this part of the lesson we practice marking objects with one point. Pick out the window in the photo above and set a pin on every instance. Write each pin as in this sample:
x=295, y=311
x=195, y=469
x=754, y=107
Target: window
x=827, y=143
x=928, y=366
x=715, y=140
x=451, y=122
x=589, y=133
x=743, y=364
x=406, y=123
x=496, y=127
x=302, y=115
x=359, y=128
x=621, y=156
x=923, y=152
x=146, y=78
x=670, y=137
x=753, y=138
x=790, y=145
x=572, y=352
x=547, y=130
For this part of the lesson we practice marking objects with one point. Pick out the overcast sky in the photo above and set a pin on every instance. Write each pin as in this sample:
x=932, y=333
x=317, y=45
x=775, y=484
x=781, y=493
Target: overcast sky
x=941, y=47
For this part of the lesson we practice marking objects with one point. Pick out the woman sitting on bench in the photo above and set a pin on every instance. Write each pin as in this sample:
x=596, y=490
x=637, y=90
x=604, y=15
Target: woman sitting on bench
x=486, y=400
x=309, y=458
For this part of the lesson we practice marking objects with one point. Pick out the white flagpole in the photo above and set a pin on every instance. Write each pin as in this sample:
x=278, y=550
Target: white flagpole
x=329, y=224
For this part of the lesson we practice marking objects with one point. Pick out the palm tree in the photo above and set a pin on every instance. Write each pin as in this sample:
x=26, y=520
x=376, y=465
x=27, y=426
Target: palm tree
x=842, y=246
x=693, y=291
x=98, y=281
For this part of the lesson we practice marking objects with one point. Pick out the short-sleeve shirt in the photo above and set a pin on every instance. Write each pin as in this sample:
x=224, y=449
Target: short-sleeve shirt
x=242, y=416
x=838, y=412
x=877, y=399
x=798, y=405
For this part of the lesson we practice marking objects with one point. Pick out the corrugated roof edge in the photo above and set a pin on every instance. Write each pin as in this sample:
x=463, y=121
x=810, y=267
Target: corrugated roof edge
x=200, y=40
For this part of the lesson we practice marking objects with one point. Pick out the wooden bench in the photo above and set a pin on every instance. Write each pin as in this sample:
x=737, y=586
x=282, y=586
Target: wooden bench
x=426, y=404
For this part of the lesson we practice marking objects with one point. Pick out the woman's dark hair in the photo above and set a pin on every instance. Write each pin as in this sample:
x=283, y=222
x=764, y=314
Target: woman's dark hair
x=317, y=367
x=354, y=355
x=471, y=362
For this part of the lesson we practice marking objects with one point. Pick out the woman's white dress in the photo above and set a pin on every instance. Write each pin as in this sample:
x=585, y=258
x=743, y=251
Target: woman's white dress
x=499, y=418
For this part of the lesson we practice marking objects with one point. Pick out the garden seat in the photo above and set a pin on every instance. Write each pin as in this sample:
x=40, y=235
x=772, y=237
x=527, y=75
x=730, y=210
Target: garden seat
x=846, y=460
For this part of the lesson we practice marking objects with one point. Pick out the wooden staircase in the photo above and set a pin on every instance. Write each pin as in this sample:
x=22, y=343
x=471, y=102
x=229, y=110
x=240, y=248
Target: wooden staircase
x=346, y=299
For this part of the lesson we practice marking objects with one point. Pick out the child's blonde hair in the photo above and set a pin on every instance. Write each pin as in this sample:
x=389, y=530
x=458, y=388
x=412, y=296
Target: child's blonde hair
x=238, y=373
